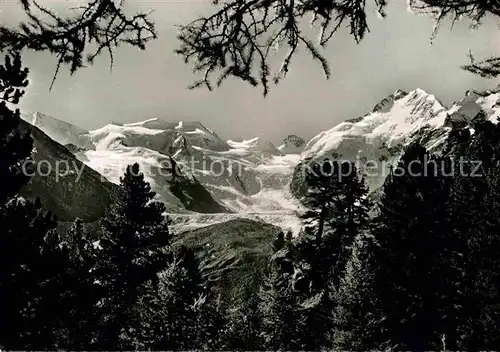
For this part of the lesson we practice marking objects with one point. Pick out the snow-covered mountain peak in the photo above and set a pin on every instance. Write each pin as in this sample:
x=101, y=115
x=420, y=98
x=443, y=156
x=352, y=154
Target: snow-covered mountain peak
x=249, y=177
x=254, y=145
x=387, y=103
x=158, y=135
x=399, y=93
x=60, y=131
x=474, y=103
x=379, y=134
x=154, y=124
x=252, y=177
x=180, y=126
x=292, y=144
x=388, y=125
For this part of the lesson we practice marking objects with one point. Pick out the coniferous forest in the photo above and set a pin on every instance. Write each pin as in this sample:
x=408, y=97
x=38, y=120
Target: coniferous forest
x=416, y=269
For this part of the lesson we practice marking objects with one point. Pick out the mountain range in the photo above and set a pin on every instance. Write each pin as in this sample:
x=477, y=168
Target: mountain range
x=205, y=180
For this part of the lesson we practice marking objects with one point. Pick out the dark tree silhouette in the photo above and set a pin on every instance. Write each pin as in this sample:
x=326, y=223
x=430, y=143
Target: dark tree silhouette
x=15, y=149
x=169, y=316
x=237, y=40
x=135, y=233
x=81, y=294
x=31, y=269
x=357, y=313
x=412, y=256
x=279, y=305
x=473, y=315
x=241, y=36
x=101, y=23
x=339, y=201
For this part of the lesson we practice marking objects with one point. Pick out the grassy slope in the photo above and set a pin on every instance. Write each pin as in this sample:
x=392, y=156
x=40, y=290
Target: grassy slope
x=233, y=254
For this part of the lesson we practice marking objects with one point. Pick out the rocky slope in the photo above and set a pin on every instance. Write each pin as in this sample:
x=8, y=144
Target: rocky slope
x=70, y=192
x=60, y=131
x=292, y=144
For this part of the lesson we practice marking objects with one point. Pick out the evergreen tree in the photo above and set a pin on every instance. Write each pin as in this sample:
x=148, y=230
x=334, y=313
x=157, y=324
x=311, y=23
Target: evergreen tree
x=322, y=189
x=340, y=205
x=227, y=49
x=15, y=149
x=411, y=256
x=279, y=305
x=357, y=312
x=82, y=295
x=169, y=315
x=310, y=291
x=349, y=218
x=244, y=328
x=338, y=196
x=212, y=322
x=32, y=263
x=474, y=204
x=135, y=233
x=31, y=269
x=280, y=242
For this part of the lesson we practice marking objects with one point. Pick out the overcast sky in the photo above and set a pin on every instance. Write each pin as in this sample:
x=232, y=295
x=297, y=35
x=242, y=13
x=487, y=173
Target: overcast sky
x=152, y=83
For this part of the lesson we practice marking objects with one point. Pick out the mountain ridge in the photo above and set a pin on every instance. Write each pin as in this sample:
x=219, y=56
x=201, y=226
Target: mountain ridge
x=254, y=176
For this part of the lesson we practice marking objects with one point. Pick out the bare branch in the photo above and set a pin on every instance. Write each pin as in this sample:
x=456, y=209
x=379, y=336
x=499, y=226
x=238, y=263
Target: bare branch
x=474, y=10
x=489, y=68
x=239, y=38
x=99, y=22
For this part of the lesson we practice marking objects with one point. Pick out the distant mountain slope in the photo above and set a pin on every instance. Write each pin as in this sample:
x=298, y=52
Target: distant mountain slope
x=292, y=144
x=63, y=195
x=60, y=131
x=233, y=254
x=463, y=111
x=216, y=176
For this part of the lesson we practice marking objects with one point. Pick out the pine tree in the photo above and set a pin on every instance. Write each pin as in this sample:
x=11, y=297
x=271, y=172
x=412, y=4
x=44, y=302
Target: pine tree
x=338, y=196
x=411, y=256
x=82, y=296
x=313, y=304
x=357, y=312
x=31, y=261
x=212, y=322
x=475, y=207
x=135, y=233
x=322, y=189
x=15, y=149
x=169, y=315
x=244, y=328
x=31, y=268
x=279, y=305
x=280, y=242
x=349, y=218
